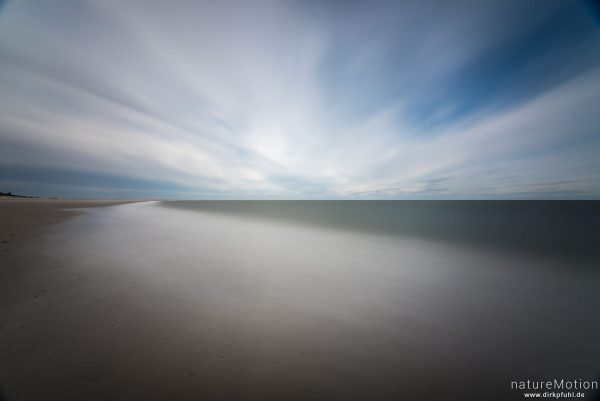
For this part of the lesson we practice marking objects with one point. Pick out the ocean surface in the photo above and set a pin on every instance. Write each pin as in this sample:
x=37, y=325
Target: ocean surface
x=332, y=300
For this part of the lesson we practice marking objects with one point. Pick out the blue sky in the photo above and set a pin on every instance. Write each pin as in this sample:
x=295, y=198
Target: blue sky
x=300, y=99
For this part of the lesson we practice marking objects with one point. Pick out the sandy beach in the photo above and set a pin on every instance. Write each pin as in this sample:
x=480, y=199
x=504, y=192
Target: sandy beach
x=24, y=221
x=27, y=281
x=156, y=301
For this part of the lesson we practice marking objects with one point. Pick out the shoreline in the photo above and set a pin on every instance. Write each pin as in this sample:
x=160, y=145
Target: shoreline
x=25, y=219
x=24, y=222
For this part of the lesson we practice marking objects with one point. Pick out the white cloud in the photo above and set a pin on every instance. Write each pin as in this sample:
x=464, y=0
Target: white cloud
x=231, y=97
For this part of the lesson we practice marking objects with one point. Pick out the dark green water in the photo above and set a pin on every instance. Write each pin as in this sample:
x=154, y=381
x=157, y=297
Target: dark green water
x=554, y=228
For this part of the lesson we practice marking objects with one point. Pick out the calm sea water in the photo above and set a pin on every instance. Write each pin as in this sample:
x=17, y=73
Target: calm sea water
x=343, y=300
x=556, y=227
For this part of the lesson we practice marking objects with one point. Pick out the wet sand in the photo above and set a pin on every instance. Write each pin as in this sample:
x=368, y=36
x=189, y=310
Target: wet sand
x=150, y=302
x=23, y=222
x=27, y=278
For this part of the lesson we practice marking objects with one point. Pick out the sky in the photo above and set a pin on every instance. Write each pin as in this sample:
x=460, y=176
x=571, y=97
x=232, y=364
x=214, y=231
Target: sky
x=300, y=99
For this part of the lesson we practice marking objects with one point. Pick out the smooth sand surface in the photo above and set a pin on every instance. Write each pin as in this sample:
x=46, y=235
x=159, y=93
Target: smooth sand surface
x=23, y=222
x=26, y=277
x=146, y=302
x=23, y=218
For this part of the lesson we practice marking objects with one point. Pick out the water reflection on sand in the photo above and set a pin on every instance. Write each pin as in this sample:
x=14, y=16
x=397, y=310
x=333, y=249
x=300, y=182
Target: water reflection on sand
x=213, y=306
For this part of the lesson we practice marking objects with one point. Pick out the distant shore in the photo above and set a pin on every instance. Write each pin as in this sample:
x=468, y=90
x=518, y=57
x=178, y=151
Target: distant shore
x=11, y=195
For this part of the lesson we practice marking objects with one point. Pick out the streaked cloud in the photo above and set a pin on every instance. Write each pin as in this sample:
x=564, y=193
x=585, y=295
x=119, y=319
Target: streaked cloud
x=276, y=99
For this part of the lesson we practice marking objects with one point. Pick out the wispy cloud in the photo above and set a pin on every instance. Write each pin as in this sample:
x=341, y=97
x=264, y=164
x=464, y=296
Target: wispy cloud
x=275, y=99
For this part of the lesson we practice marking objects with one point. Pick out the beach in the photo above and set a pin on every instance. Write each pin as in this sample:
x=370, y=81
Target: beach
x=168, y=300
x=27, y=278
